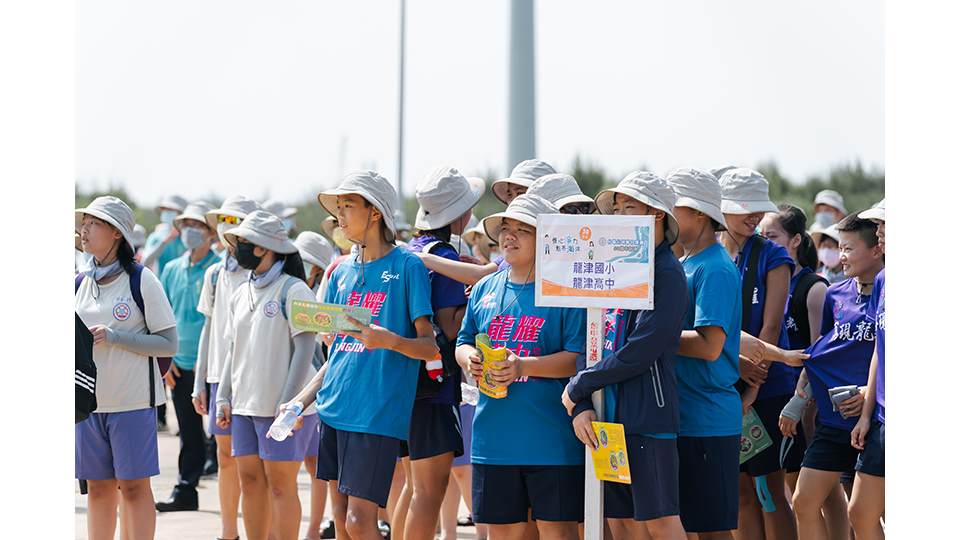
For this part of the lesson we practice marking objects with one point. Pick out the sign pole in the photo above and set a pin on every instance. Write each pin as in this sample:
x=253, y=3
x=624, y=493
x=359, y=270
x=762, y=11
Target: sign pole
x=593, y=488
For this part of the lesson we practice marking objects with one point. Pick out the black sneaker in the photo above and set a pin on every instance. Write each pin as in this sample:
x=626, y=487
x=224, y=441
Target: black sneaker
x=384, y=529
x=181, y=500
x=328, y=529
x=210, y=467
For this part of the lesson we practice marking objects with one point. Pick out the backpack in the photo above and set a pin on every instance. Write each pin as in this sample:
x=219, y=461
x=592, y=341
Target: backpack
x=798, y=301
x=85, y=373
x=163, y=362
x=426, y=386
x=747, y=284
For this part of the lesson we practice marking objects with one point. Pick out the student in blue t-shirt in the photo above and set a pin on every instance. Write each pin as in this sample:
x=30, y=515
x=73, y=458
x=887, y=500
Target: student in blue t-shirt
x=867, y=502
x=768, y=386
x=639, y=376
x=707, y=362
x=841, y=357
x=526, y=459
x=365, y=391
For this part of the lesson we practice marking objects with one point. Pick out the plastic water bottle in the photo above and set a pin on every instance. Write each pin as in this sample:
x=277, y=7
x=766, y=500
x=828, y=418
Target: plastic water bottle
x=471, y=395
x=283, y=425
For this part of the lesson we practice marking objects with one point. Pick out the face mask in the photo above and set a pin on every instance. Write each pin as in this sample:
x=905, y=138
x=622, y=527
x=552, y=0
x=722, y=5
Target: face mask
x=830, y=257
x=289, y=224
x=245, y=256
x=167, y=216
x=191, y=237
x=825, y=219
x=341, y=240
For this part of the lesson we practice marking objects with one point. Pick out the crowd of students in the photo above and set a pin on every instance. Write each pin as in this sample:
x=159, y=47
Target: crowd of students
x=756, y=309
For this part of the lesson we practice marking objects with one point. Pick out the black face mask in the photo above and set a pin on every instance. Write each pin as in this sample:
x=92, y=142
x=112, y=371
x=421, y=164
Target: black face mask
x=245, y=257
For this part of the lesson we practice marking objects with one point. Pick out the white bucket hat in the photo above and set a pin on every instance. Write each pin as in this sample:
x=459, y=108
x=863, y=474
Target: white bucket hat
x=173, y=202
x=830, y=198
x=525, y=209
x=328, y=224
x=717, y=172
x=699, y=190
x=315, y=249
x=195, y=210
x=139, y=236
x=560, y=189
x=445, y=195
x=470, y=235
x=524, y=174
x=649, y=189
x=263, y=229
x=113, y=211
x=878, y=211
x=237, y=206
x=745, y=191
x=279, y=209
x=831, y=231
x=376, y=189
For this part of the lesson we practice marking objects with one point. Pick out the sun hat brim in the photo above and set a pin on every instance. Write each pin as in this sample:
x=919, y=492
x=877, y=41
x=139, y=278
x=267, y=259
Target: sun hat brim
x=829, y=231
x=873, y=213
x=604, y=202
x=709, y=209
x=78, y=222
x=579, y=198
x=499, y=187
x=747, y=207
x=491, y=224
x=202, y=218
x=328, y=200
x=328, y=225
x=436, y=220
x=211, y=216
x=285, y=247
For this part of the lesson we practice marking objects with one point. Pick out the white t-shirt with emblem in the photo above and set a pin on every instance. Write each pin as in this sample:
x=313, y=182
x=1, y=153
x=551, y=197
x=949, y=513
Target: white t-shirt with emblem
x=217, y=308
x=263, y=346
x=123, y=379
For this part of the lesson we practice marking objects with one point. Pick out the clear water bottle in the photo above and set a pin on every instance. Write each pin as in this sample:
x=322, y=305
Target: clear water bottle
x=470, y=394
x=283, y=425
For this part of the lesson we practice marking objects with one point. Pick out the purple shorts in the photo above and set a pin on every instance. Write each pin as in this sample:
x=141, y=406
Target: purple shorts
x=466, y=431
x=250, y=438
x=212, y=409
x=118, y=445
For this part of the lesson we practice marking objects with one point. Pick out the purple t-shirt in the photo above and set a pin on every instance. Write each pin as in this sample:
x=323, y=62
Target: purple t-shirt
x=781, y=378
x=878, y=311
x=501, y=263
x=444, y=293
x=841, y=356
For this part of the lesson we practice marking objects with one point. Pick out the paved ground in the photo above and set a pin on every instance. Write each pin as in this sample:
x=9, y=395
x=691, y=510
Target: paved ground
x=205, y=523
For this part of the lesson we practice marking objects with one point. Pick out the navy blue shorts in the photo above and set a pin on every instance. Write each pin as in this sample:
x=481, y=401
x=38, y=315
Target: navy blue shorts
x=434, y=431
x=361, y=463
x=504, y=494
x=768, y=461
x=654, y=493
x=871, y=460
x=830, y=450
x=709, y=468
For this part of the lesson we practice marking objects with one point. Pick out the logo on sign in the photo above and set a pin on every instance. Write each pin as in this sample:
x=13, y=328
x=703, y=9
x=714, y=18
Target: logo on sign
x=585, y=233
x=271, y=308
x=121, y=311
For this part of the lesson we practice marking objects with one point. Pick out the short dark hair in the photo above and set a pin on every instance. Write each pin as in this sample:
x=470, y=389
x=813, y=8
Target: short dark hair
x=864, y=227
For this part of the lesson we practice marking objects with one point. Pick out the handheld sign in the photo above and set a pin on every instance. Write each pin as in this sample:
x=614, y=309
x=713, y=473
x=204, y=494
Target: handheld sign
x=610, y=460
x=490, y=356
x=331, y=318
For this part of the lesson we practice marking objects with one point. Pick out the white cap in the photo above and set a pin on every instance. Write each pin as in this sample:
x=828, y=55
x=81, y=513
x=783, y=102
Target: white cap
x=878, y=211
x=376, y=189
x=830, y=198
x=745, y=191
x=195, y=210
x=113, y=211
x=315, y=249
x=445, y=195
x=263, y=229
x=699, y=190
x=558, y=188
x=525, y=209
x=237, y=206
x=524, y=174
x=649, y=189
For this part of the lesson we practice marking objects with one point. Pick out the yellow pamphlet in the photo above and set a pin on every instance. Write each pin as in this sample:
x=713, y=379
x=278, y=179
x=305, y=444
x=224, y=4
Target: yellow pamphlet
x=610, y=461
x=490, y=356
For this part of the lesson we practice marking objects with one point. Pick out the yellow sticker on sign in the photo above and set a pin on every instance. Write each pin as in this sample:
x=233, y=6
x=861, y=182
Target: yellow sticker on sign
x=490, y=356
x=610, y=460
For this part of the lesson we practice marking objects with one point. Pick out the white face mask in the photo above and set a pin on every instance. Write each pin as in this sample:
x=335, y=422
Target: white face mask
x=824, y=218
x=830, y=257
x=191, y=237
x=167, y=216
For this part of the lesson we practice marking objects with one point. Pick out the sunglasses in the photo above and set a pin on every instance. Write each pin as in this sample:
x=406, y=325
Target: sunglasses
x=232, y=220
x=577, y=208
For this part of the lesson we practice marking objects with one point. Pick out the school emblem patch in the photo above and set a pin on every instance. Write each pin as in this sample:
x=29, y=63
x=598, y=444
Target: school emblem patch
x=271, y=308
x=121, y=311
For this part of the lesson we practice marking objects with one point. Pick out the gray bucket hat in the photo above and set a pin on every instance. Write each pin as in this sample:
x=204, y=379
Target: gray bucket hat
x=649, y=189
x=524, y=174
x=745, y=191
x=279, y=209
x=525, y=209
x=263, y=229
x=315, y=249
x=699, y=190
x=445, y=195
x=560, y=189
x=113, y=211
x=173, y=202
x=195, y=210
x=237, y=206
x=376, y=189
x=879, y=211
x=830, y=198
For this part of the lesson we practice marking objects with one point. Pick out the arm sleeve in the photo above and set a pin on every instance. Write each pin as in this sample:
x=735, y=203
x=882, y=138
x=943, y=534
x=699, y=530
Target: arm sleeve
x=200, y=370
x=304, y=345
x=163, y=343
x=225, y=388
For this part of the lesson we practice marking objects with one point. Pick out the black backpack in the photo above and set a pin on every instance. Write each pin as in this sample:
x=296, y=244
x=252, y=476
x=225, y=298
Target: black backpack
x=85, y=373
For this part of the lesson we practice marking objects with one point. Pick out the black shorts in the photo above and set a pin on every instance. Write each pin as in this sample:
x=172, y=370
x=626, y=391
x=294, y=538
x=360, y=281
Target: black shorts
x=830, y=450
x=362, y=463
x=768, y=461
x=871, y=460
x=504, y=494
x=434, y=430
x=654, y=493
x=709, y=495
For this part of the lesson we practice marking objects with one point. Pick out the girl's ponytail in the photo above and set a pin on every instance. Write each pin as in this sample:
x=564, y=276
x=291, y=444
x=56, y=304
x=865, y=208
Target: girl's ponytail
x=293, y=266
x=794, y=222
x=807, y=252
